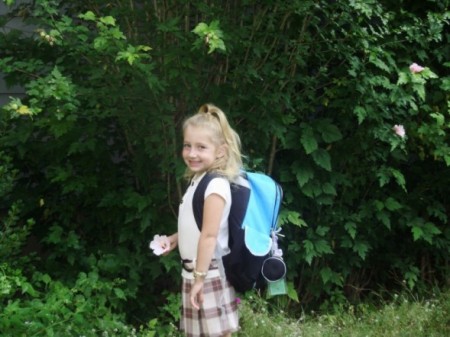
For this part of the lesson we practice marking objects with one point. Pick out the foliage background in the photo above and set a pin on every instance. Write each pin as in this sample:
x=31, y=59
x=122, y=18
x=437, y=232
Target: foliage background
x=90, y=167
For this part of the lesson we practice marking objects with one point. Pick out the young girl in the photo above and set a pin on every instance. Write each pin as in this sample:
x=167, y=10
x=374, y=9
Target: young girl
x=209, y=303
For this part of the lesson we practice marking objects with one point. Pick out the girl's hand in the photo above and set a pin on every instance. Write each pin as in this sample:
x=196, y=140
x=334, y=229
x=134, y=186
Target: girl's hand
x=163, y=245
x=196, y=294
x=173, y=243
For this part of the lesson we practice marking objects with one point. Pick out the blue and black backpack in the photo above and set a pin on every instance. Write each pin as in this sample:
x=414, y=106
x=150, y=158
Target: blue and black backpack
x=253, y=221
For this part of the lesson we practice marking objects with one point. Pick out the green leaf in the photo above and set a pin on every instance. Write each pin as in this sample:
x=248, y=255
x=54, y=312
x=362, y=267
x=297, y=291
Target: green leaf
x=100, y=43
x=417, y=232
x=322, y=230
x=117, y=34
x=385, y=219
x=120, y=293
x=170, y=25
x=88, y=16
x=108, y=20
x=292, y=292
x=426, y=231
x=308, y=140
x=447, y=160
x=326, y=273
x=330, y=133
x=328, y=188
x=439, y=118
x=403, y=78
x=361, y=248
x=55, y=235
x=312, y=189
x=309, y=251
x=304, y=175
x=419, y=88
x=445, y=85
x=295, y=219
x=215, y=25
x=210, y=35
x=399, y=178
x=144, y=48
x=322, y=158
x=392, y=204
x=216, y=44
x=324, y=199
x=360, y=113
x=378, y=62
x=309, y=246
x=128, y=55
x=46, y=278
x=378, y=204
x=432, y=229
x=322, y=247
x=439, y=211
x=201, y=29
x=411, y=276
x=350, y=227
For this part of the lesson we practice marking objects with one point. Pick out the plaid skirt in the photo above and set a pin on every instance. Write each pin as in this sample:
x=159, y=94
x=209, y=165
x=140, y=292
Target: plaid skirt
x=218, y=314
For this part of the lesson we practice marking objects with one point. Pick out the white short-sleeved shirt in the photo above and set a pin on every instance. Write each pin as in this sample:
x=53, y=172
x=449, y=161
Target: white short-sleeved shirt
x=188, y=232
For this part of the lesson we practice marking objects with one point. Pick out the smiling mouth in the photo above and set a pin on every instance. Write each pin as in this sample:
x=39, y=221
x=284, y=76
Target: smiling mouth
x=194, y=163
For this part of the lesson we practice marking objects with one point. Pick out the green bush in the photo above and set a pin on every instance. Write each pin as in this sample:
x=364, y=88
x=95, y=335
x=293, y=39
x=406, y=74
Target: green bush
x=315, y=89
x=46, y=307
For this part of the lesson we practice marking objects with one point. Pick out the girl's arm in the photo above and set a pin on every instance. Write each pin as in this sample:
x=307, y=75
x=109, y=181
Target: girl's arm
x=212, y=214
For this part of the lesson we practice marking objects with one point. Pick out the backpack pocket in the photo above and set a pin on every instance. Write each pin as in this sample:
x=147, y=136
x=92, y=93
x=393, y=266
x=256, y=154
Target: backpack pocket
x=257, y=243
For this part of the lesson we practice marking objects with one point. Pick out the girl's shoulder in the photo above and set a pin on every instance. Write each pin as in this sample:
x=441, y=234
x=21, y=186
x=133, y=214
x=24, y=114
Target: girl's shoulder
x=213, y=180
x=212, y=184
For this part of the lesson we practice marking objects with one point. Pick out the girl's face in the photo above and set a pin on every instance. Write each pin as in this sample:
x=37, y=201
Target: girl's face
x=199, y=151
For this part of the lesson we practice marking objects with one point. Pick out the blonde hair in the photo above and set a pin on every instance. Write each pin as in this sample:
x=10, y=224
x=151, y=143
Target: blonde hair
x=212, y=118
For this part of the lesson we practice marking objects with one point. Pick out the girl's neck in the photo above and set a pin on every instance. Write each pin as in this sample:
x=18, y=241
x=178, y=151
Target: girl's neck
x=198, y=175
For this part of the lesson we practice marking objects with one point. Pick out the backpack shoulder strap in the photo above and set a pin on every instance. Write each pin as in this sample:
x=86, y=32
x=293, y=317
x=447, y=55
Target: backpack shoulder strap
x=198, y=199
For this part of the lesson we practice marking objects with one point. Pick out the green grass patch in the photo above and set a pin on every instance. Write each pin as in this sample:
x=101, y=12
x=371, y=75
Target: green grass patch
x=400, y=318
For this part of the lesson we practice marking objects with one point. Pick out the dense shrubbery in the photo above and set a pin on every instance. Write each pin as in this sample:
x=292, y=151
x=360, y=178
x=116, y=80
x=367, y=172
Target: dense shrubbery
x=89, y=163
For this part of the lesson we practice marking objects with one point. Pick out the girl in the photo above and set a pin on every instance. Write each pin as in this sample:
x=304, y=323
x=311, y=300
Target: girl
x=209, y=303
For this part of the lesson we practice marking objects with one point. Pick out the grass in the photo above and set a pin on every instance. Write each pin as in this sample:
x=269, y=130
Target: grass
x=404, y=316
x=400, y=318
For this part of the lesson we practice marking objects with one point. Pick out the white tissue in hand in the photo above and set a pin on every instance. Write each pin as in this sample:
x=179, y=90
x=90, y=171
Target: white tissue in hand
x=160, y=244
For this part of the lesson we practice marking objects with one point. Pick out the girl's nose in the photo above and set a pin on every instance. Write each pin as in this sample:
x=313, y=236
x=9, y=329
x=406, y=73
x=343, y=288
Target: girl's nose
x=192, y=153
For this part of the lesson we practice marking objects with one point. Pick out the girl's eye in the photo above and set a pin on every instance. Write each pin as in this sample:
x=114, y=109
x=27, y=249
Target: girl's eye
x=185, y=146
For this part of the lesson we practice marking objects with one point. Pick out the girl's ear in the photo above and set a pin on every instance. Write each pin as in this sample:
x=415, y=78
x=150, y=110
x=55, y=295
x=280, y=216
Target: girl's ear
x=221, y=151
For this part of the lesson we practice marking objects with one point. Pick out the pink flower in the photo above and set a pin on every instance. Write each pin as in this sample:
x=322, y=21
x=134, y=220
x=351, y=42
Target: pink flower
x=160, y=244
x=399, y=130
x=415, y=68
x=238, y=300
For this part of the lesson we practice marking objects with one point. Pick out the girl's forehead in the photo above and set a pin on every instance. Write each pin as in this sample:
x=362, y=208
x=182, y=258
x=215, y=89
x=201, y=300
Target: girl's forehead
x=198, y=132
x=197, y=129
